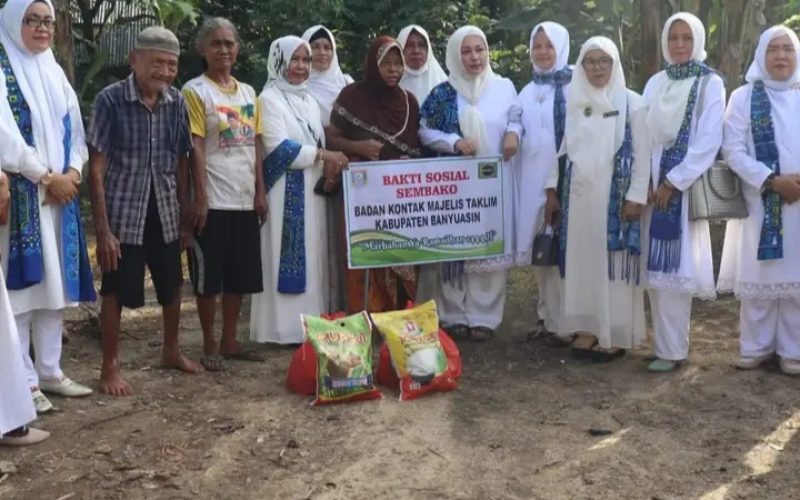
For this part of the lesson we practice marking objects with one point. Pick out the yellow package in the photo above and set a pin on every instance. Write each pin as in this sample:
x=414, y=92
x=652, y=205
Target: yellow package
x=417, y=355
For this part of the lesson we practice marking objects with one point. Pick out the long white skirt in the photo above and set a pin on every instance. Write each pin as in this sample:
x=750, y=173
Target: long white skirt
x=16, y=405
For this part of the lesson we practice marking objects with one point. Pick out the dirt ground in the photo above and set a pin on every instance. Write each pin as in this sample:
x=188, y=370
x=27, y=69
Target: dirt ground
x=517, y=428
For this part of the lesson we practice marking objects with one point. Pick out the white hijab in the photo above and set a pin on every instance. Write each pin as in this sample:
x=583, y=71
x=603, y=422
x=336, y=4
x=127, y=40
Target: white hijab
x=42, y=82
x=587, y=142
x=421, y=81
x=559, y=37
x=668, y=107
x=470, y=87
x=326, y=85
x=758, y=69
x=296, y=95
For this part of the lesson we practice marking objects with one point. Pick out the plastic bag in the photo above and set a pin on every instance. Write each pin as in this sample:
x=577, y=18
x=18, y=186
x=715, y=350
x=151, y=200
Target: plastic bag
x=344, y=358
x=412, y=337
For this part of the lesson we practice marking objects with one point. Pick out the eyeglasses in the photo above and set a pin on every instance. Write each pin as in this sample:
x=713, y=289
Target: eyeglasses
x=602, y=63
x=36, y=22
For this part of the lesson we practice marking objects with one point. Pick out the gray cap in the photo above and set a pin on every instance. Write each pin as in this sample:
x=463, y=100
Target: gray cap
x=158, y=38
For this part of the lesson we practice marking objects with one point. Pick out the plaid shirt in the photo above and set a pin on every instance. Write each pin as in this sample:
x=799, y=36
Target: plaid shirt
x=142, y=149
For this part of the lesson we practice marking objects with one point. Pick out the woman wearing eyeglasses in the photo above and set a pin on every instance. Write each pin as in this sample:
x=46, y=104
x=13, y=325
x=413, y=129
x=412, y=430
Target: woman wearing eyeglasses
x=42, y=148
x=606, y=181
x=686, y=103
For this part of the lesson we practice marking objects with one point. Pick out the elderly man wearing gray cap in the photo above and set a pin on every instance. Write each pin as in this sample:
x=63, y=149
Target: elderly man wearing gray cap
x=140, y=141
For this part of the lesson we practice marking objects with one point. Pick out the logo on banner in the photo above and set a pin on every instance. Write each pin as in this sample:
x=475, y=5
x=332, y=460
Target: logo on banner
x=487, y=170
x=358, y=178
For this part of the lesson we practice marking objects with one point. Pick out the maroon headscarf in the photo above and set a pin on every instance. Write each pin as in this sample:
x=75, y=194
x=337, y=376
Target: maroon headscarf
x=375, y=103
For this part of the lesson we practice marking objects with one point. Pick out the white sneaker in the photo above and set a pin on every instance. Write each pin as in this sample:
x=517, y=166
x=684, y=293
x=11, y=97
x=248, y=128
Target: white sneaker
x=752, y=362
x=40, y=401
x=33, y=436
x=790, y=366
x=65, y=387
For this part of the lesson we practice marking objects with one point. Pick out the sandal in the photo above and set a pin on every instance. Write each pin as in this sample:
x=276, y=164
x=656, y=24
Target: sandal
x=663, y=365
x=555, y=341
x=457, y=332
x=481, y=333
x=246, y=355
x=601, y=355
x=213, y=363
x=582, y=345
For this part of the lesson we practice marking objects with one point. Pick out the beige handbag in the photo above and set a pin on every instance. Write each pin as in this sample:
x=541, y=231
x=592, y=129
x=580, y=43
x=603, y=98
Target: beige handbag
x=717, y=194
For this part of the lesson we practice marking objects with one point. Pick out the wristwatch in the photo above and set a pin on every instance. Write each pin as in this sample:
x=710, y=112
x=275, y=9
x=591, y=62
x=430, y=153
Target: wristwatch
x=767, y=186
x=46, y=179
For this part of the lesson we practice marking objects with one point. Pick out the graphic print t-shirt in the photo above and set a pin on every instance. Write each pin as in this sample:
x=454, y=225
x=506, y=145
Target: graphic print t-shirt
x=228, y=120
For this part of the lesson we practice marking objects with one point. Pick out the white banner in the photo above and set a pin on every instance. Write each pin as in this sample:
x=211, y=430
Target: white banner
x=423, y=211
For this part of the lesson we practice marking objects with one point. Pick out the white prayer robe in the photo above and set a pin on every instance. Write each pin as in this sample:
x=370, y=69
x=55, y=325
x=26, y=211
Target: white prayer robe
x=275, y=316
x=671, y=293
x=481, y=300
x=770, y=289
x=613, y=311
x=536, y=163
x=17, y=158
x=16, y=405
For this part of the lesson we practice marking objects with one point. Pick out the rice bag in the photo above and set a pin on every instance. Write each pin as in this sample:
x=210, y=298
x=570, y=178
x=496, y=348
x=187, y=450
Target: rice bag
x=302, y=375
x=416, y=352
x=344, y=358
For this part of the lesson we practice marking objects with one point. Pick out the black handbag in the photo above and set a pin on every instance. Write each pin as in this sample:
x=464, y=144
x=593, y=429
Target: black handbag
x=545, y=247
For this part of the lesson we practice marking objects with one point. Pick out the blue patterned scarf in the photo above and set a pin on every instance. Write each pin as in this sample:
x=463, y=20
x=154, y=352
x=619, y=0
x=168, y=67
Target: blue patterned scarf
x=292, y=266
x=557, y=80
x=78, y=282
x=440, y=112
x=665, y=225
x=25, y=259
x=622, y=235
x=770, y=243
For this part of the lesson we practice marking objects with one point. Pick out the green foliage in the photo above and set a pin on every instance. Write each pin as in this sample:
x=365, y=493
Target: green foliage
x=173, y=13
x=356, y=22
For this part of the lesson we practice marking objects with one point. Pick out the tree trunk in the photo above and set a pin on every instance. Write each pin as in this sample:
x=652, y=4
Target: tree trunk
x=651, y=21
x=63, y=44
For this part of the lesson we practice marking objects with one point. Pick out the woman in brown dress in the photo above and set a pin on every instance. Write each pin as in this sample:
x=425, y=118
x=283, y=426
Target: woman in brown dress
x=373, y=120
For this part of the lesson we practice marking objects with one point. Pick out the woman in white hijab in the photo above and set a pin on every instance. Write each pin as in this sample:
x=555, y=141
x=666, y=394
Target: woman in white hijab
x=473, y=113
x=543, y=103
x=761, y=254
x=327, y=79
x=605, y=189
x=42, y=146
x=686, y=104
x=16, y=406
x=423, y=71
x=295, y=269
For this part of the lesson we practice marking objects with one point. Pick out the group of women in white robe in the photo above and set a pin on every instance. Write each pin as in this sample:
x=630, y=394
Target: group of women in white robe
x=584, y=141
x=675, y=132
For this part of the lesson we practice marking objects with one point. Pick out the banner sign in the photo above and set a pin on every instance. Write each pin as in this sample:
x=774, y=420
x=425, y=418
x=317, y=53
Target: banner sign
x=422, y=211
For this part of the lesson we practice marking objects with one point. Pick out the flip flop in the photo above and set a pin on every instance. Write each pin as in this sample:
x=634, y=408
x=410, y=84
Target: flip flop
x=246, y=355
x=481, y=333
x=213, y=363
x=600, y=355
x=458, y=332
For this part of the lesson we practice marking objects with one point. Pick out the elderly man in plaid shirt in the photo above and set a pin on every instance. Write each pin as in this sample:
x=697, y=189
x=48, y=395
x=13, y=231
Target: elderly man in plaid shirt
x=140, y=142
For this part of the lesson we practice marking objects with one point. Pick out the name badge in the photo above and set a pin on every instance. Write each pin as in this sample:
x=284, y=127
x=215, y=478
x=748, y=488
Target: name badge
x=610, y=114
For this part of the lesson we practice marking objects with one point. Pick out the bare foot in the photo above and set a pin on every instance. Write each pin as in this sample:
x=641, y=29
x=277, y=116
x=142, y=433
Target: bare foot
x=180, y=362
x=112, y=383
